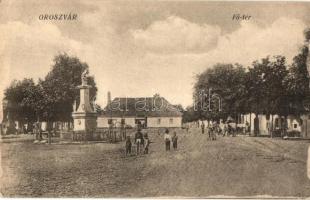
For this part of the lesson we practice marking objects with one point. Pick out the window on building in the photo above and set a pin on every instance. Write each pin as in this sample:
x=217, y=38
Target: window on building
x=122, y=121
x=158, y=121
x=137, y=121
x=295, y=125
x=170, y=121
x=112, y=121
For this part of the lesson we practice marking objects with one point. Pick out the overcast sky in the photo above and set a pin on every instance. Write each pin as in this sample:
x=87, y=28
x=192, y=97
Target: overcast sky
x=139, y=48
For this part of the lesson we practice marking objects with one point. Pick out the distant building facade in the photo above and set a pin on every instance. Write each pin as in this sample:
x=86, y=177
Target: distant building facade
x=305, y=128
x=151, y=112
x=272, y=122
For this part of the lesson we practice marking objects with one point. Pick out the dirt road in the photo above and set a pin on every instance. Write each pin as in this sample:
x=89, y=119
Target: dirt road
x=232, y=166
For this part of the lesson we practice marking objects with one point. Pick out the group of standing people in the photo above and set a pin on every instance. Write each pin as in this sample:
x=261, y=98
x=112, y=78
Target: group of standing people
x=224, y=129
x=212, y=130
x=170, y=139
x=141, y=141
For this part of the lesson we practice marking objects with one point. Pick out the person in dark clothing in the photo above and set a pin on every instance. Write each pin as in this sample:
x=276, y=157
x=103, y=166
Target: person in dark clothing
x=202, y=128
x=138, y=140
x=210, y=131
x=167, y=139
x=128, y=145
x=175, y=141
x=214, y=131
x=146, y=143
x=229, y=129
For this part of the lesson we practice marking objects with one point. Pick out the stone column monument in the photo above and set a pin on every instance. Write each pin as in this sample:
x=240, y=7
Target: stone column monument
x=84, y=118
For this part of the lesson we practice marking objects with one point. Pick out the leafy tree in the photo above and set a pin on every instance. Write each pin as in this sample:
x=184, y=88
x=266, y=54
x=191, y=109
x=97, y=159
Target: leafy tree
x=226, y=81
x=60, y=87
x=189, y=115
x=20, y=95
x=52, y=98
x=179, y=107
x=297, y=83
x=307, y=34
x=24, y=99
x=267, y=93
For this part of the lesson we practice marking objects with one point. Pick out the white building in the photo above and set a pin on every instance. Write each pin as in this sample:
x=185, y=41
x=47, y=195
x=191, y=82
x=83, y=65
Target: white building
x=273, y=122
x=152, y=112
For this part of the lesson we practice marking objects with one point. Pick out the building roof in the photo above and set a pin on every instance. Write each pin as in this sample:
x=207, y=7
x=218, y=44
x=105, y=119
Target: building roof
x=140, y=107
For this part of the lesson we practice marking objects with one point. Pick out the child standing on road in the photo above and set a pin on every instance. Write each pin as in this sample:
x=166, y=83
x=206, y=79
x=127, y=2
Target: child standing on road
x=175, y=141
x=128, y=145
x=138, y=140
x=202, y=128
x=146, y=143
x=167, y=139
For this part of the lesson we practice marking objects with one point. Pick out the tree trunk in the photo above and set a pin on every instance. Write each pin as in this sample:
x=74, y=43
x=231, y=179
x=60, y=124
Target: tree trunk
x=38, y=130
x=285, y=126
x=49, y=127
x=271, y=133
x=49, y=137
x=250, y=123
x=256, y=125
x=19, y=130
x=68, y=123
x=114, y=135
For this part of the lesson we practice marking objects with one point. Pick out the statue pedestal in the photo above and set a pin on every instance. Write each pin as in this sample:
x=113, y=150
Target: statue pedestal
x=85, y=124
x=84, y=118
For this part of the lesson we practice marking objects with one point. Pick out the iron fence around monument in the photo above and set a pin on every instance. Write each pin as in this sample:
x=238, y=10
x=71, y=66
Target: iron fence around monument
x=102, y=134
x=113, y=135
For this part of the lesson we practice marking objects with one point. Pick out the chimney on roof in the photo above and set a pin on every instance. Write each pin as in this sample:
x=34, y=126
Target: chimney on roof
x=109, y=97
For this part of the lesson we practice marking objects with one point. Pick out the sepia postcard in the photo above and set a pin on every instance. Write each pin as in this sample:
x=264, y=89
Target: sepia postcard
x=154, y=99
